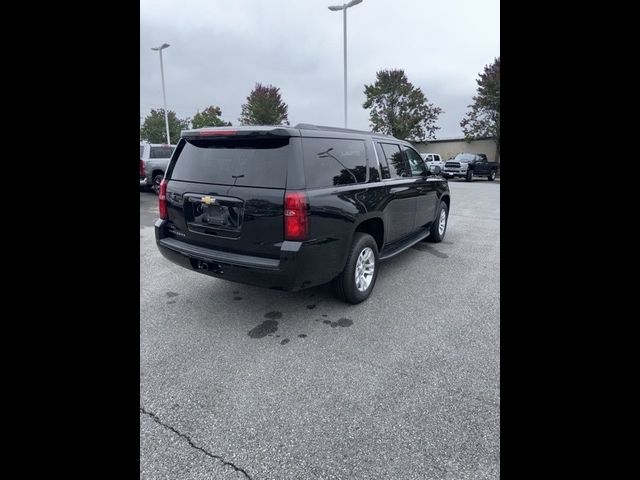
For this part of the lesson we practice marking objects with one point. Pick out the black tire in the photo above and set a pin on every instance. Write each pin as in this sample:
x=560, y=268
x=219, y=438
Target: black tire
x=469, y=176
x=435, y=235
x=345, y=283
x=492, y=176
x=157, y=179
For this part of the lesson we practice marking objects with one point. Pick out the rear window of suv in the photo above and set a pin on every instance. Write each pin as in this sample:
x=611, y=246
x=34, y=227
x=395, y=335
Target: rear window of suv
x=161, y=152
x=243, y=162
x=329, y=162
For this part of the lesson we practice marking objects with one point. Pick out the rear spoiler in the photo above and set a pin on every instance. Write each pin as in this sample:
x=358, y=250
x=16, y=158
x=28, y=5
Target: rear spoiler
x=245, y=131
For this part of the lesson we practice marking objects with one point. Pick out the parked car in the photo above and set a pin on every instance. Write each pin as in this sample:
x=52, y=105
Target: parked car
x=433, y=160
x=469, y=165
x=154, y=159
x=289, y=208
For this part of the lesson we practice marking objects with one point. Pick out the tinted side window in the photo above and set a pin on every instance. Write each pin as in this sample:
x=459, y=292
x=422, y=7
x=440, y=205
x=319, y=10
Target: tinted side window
x=161, y=152
x=416, y=163
x=398, y=166
x=329, y=162
x=383, y=162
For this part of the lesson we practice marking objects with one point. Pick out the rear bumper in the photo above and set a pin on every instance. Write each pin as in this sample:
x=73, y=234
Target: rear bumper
x=301, y=264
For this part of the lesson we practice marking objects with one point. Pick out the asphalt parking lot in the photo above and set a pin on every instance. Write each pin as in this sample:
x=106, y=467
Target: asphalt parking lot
x=243, y=382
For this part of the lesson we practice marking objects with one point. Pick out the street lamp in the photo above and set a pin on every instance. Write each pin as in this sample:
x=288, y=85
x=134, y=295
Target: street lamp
x=336, y=8
x=164, y=96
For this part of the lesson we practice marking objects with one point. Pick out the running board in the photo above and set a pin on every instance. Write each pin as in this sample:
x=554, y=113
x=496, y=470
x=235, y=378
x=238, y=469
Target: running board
x=401, y=246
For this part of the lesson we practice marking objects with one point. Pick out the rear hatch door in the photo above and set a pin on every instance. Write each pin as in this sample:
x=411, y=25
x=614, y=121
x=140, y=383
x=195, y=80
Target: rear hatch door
x=227, y=193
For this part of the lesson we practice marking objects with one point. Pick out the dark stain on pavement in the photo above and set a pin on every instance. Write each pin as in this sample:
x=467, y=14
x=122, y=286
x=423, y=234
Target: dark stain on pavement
x=264, y=329
x=171, y=294
x=311, y=307
x=284, y=342
x=273, y=315
x=423, y=247
x=237, y=298
x=343, y=322
x=302, y=335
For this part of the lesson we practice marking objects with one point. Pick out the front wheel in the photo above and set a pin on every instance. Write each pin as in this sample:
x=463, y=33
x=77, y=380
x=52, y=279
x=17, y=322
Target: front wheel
x=439, y=227
x=469, y=176
x=356, y=282
x=492, y=176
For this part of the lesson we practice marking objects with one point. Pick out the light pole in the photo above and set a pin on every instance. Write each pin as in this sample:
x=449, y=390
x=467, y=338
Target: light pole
x=164, y=96
x=344, y=7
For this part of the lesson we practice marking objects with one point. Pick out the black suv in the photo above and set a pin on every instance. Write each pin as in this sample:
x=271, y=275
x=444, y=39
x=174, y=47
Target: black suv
x=292, y=207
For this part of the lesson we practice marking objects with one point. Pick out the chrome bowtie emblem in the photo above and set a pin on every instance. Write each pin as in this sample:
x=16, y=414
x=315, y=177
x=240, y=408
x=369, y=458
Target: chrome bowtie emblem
x=208, y=200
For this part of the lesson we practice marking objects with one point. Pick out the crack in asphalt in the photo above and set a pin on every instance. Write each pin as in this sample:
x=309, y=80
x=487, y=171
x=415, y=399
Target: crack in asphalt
x=155, y=418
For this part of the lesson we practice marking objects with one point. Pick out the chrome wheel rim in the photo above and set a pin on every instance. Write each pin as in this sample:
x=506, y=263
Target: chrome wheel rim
x=365, y=266
x=443, y=222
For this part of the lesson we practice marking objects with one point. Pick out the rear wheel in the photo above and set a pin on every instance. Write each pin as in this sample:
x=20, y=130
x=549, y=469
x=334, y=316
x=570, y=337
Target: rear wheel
x=492, y=176
x=439, y=227
x=469, y=176
x=157, y=180
x=356, y=282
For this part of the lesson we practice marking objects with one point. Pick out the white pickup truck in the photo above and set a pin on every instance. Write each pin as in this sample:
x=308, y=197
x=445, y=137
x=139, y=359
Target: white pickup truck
x=432, y=160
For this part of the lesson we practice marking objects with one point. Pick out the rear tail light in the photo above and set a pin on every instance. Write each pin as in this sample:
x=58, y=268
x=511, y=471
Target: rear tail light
x=162, y=200
x=142, y=174
x=296, y=219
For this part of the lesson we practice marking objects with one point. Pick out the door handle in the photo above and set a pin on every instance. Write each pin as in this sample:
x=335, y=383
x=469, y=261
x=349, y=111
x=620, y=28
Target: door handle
x=398, y=189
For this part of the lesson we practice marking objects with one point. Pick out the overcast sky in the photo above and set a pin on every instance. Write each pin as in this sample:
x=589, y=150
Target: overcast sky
x=221, y=48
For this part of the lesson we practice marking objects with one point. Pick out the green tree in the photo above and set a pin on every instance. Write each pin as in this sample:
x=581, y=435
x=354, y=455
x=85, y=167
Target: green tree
x=400, y=109
x=483, y=120
x=264, y=107
x=209, y=117
x=153, y=128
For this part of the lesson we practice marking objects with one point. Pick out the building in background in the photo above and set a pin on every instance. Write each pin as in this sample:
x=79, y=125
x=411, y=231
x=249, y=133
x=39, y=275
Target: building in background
x=450, y=147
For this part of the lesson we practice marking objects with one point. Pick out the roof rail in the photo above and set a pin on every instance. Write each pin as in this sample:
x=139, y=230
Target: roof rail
x=309, y=126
